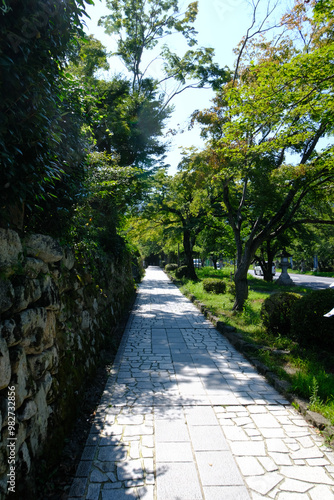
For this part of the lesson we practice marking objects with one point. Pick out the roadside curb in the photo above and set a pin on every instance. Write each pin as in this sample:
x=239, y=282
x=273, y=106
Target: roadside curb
x=248, y=350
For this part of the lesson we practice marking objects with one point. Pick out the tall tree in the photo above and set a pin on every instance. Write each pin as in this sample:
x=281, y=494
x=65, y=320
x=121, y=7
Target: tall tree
x=34, y=40
x=265, y=129
x=141, y=25
x=182, y=202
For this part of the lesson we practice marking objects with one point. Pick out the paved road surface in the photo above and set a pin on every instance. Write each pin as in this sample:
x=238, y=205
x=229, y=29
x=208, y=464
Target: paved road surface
x=315, y=282
x=185, y=417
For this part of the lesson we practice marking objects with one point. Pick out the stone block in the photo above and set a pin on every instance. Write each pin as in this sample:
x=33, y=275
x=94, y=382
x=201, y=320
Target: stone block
x=37, y=329
x=40, y=363
x=33, y=267
x=5, y=367
x=49, y=294
x=20, y=375
x=43, y=247
x=178, y=480
x=68, y=258
x=53, y=392
x=24, y=458
x=28, y=410
x=47, y=382
x=7, y=295
x=218, y=468
x=30, y=325
x=9, y=332
x=10, y=248
x=27, y=292
x=86, y=320
x=40, y=422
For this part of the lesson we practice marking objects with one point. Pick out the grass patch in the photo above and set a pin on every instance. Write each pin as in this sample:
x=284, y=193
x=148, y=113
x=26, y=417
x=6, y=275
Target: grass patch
x=310, y=372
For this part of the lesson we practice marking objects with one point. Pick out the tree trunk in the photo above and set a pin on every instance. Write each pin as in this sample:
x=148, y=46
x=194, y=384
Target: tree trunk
x=191, y=274
x=241, y=288
x=267, y=272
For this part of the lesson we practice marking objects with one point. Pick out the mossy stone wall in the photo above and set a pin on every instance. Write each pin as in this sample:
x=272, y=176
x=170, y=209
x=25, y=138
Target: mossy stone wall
x=58, y=308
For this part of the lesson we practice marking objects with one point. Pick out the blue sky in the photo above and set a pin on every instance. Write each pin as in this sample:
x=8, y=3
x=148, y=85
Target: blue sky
x=221, y=25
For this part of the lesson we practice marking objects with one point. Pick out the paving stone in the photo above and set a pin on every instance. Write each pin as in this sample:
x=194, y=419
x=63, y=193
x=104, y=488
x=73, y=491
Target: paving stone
x=321, y=492
x=316, y=475
x=264, y=484
x=146, y=492
x=236, y=433
x=265, y=420
x=78, y=487
x=167, y=431
x=281, y=458
x=201, y=416
x=273, y=433
x=226, y=493
x=134, y=450
x=148, y=441
x=285, y=495
x=130, y=419
x=134, y=483
x=137, y=430
x=88, y=453
x=97, y=476
x=295, y=486
x=93, y=491
x=131, y=469
x=250, y=448
x=112, y=453
x=178, y=481
x=303, y=453
x=276, y=445
x=119, y=494
x=174, y=452
x=206, y=438
x=105, y=466
x=256, y=409
x=217, y=468
x=84, y=468
x=250, y=466
x=317, y=461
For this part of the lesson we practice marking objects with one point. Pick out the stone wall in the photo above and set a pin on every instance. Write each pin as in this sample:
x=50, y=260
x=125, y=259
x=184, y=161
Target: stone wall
x=57, y=311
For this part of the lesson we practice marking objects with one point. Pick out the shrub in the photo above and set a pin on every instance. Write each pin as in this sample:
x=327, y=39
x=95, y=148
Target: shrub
x=171, y=267
x=214, y=285
x=181, y=272
x=308, y=324
x=231, y=289
x=276, y=312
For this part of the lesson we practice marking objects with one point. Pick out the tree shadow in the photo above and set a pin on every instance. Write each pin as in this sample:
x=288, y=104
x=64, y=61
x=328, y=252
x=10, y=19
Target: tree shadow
x=171, y=360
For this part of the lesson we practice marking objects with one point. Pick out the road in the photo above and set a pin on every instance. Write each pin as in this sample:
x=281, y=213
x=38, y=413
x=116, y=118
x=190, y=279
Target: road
x=315, y=282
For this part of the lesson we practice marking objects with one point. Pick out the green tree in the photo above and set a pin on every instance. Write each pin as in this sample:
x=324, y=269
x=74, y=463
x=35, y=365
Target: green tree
x=216, y=240
x=140, y=26
x=181, y=203
x=121, y=121
x=34, y=41
x=281, y=104
x=106, y=195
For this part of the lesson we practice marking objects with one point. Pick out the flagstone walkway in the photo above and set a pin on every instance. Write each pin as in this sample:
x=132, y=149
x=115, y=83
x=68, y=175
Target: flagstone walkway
x=184, y=416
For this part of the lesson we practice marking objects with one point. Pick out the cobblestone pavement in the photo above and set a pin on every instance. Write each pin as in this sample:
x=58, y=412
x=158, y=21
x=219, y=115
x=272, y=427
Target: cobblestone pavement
x=185, y=417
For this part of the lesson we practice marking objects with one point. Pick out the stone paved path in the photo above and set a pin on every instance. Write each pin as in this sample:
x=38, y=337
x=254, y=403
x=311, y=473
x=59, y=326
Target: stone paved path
x=185, y=417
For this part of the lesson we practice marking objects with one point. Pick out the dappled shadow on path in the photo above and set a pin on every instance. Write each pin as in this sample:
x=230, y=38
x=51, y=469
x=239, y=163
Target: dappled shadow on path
x=172, y=362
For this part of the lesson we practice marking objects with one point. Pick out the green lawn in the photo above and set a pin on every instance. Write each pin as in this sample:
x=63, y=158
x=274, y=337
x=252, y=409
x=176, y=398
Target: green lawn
x=311, y=373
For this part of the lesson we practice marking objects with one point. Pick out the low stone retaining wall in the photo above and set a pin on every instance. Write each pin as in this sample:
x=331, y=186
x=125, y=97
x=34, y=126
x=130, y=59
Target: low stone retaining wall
x=57, y=311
